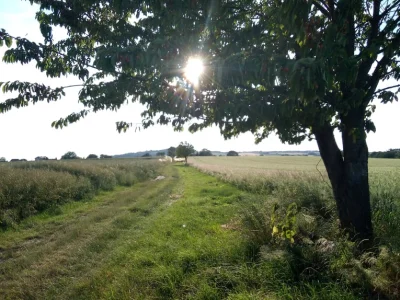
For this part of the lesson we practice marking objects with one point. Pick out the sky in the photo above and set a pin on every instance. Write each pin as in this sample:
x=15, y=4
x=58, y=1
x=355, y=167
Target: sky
x=27, y=132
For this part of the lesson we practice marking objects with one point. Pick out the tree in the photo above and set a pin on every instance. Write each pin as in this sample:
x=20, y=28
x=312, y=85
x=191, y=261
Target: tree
x=147, y=154
x=298, y=68
x=391, y=153
x=105, y=156
x=204, y=152
x=3, y=159
x=70, y=155
x=92, y=156
x=161, y=153
x=232, y=153
x=184, y=150
x=172, y=151
x=39, y=158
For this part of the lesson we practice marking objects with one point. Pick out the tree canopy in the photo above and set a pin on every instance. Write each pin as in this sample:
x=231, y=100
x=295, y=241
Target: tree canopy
x=172, y=151
x=232, y=153
x=298, y=68
x=70, y=155
x=391, y=153
x=92, y=156
x=204, y=152
x=184, y=150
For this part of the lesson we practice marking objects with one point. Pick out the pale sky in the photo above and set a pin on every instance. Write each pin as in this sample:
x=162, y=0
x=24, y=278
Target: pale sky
x=27, y=132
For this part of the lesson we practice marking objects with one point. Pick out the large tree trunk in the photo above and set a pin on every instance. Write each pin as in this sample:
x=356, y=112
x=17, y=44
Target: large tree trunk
x=348, y=174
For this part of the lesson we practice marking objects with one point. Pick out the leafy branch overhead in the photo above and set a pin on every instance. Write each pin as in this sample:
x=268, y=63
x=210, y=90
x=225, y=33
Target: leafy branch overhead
x=269, y=66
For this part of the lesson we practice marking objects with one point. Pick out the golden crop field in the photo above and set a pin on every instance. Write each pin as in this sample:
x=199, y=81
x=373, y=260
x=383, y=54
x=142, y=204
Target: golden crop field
x=292, y=173
x=268, y=164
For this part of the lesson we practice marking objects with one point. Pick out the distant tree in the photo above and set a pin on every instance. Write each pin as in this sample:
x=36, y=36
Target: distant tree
x=3, y=159
x=161, y=153
x=391, y=153
x=184, y=150
x=172, y=151
x=92, y=156
x=147, y=154
x=232, y=153
x=38, y=158
x=70, y=155
x=105, y=156
x=204, y=152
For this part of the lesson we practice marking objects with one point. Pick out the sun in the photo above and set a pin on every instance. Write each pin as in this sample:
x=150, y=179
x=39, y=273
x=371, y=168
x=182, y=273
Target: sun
x=194, y=69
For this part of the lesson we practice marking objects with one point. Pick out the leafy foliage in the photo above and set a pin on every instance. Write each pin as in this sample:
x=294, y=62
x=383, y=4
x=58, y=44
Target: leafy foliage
x=232, y=153
x=391, y=153
x=184, y=150
x=172, y=151
x=204, y=152
x=70, y=155
x=92, y=156
x=280, y=66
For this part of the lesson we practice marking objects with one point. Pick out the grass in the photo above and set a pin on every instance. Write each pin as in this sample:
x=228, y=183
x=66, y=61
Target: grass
x=32, y=187
x=193, y=236
x=296, y=180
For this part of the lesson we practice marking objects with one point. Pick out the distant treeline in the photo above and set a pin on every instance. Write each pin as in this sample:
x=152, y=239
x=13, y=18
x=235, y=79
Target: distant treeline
x=391, y=153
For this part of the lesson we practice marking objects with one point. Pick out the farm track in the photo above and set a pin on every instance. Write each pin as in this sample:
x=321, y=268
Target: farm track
x=66, y=252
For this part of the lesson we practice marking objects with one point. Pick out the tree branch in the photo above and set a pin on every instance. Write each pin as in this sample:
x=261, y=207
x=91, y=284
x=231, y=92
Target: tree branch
x=322, y=9
x=74, y=60
x=388, y=9
x=366, y=64
x=387, y=88
x=331, y=4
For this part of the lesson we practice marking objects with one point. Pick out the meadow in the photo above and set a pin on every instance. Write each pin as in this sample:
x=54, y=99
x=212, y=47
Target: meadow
x=220, y=228
x=27, y=188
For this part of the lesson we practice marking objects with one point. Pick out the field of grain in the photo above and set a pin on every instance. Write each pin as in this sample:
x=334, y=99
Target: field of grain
x=27, y=188
x=303, y=179
x=270, y=165
x=264, y=172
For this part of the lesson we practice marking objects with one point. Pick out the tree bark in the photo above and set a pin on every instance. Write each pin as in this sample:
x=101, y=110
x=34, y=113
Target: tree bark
x=348, y=174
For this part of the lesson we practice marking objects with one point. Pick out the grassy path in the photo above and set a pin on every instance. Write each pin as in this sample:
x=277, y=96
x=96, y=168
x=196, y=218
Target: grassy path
x=156, y=240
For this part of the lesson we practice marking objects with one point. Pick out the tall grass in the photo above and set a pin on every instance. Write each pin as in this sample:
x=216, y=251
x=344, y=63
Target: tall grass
x=32, y=187
x=319, y=251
